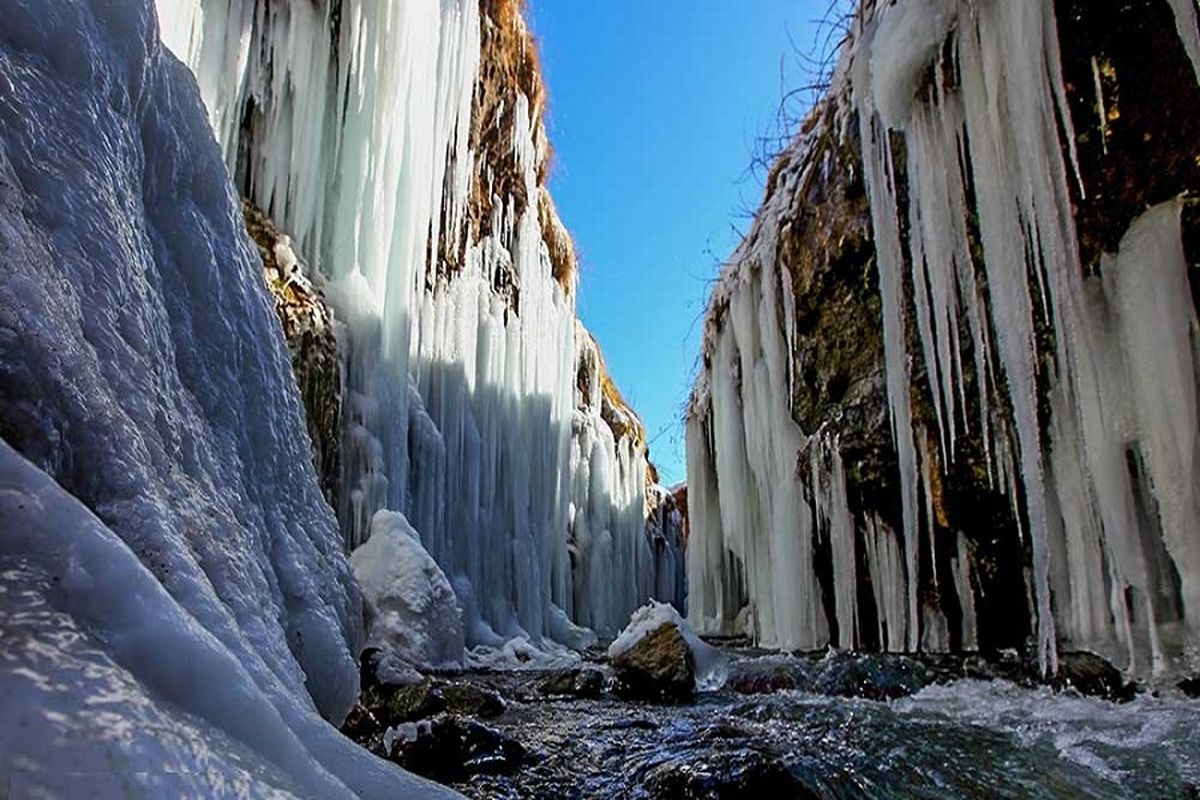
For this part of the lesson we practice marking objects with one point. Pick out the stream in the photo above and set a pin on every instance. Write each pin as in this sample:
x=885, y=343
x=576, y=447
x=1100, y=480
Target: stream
x=850, y=726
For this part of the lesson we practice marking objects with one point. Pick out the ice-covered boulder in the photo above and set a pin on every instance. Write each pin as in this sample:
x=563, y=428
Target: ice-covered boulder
x=412, y=608
x=658, y=656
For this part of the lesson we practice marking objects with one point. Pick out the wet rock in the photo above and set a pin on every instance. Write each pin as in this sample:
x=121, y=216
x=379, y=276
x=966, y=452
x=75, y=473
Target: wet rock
x=1006, y=665
x=1191, y=686
x=393, y=705
x=473, y=701
x=585, y=682
x=361, y=724
x=732, y=774
x=755, y=678
x=1091, y=675
x=450, y=748
x=633, y=724
x=872, y=677
x=659, y=666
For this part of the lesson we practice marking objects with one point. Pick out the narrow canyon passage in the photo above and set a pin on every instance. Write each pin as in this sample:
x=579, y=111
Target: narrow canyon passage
x=315, y=483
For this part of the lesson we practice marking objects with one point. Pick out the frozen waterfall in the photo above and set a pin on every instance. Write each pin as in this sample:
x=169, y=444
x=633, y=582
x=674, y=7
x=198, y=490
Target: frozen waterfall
x=177, y=611
x=462, y=408
x=1093, y=437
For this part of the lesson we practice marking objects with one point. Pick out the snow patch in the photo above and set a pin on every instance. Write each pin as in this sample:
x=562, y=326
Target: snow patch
x=521, y=653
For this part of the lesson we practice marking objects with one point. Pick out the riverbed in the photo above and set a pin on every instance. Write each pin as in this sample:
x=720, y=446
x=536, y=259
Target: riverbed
x=835, y=726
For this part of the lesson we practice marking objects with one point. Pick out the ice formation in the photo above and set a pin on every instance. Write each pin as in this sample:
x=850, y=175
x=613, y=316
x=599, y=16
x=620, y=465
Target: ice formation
x=412, y=610
x=178, y=613
x=362, y=139
x=1103, y=487
x=1188, y=21
x=753, y=537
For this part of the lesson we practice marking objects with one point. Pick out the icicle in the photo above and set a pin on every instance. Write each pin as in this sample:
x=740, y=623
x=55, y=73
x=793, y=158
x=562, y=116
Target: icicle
x=886, y=569
x=460, y=404
x=966, y=594
x=880, y=179
x=1100, y=109
x=1188, y=23
x=927, y=479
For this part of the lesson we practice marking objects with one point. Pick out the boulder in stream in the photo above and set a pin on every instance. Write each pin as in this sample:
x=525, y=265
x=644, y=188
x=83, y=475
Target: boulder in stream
x=1091, y=675
x=725, y=774
x=658, y=657
x=584, y=682
x=450, y=748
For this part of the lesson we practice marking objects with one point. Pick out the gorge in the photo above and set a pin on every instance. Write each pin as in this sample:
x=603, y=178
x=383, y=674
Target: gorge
x=313, y=481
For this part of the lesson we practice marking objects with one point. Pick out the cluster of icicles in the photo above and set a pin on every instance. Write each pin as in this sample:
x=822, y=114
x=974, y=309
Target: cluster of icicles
x=463, y=412
x=1114, y=550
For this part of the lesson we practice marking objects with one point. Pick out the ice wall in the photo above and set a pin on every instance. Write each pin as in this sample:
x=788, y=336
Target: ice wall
x=178, y=613
x=1000, y=109
x=1086, y=403
x=624, y=540
x=359, y=126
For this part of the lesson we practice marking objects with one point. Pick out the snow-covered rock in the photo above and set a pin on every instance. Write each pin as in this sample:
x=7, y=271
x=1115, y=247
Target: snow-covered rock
x=411, y=606
x=659, y=655
x=178, y=613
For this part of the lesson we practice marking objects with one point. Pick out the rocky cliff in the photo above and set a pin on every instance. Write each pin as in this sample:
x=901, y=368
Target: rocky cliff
x=961, y=328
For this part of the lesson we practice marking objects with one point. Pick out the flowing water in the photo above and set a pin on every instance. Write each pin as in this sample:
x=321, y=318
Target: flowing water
x=963, y=738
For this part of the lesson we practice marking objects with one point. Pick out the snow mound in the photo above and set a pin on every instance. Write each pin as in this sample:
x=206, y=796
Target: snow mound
x=520, y=653
x=102, y=669
x=712, y=668
x=413, y=610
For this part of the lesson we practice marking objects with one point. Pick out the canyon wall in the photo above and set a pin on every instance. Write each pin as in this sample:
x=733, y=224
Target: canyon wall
x=178, y=616
x=402, y=147
x=947, y=398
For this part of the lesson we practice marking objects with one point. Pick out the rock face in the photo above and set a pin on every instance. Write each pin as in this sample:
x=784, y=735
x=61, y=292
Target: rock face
x=659, y=666
x=860, y=347
x=308, y=327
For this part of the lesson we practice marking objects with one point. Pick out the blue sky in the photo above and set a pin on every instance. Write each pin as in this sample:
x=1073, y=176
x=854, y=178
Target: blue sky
x=654, y=109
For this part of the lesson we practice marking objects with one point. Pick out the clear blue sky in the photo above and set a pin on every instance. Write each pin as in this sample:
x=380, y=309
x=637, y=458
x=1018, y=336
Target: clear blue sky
x=654, y=109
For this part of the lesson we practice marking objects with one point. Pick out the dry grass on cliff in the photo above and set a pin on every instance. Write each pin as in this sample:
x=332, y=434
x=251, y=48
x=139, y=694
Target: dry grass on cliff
x=558, y=240
x=511, y=66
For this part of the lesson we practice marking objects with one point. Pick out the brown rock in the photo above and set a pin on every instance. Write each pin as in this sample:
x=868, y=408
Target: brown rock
x=658, y=667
